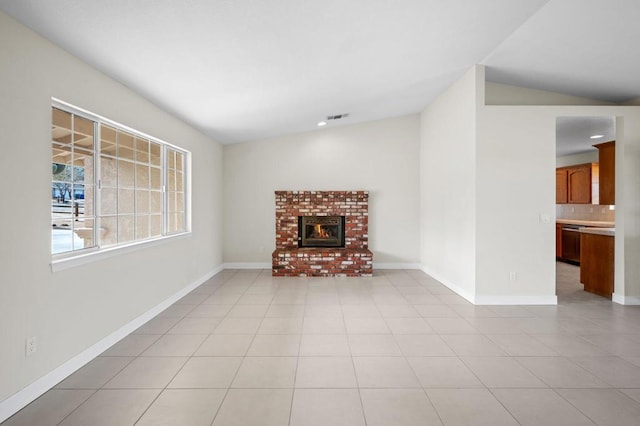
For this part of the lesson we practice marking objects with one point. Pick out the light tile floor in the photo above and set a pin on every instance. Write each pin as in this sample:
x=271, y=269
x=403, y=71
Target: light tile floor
x=397, y=349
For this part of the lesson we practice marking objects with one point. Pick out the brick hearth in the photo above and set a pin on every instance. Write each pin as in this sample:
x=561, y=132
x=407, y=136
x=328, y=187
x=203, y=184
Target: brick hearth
x=354, y=259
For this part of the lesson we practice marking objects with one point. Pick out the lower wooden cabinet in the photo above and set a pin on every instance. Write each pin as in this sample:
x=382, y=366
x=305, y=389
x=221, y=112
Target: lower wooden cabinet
x=597, y=263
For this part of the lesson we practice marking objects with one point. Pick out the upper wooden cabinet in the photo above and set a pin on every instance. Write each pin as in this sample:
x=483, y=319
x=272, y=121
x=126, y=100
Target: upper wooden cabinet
x=579, y=184
x=574, y=184
x=607, y=160
x=562, y=196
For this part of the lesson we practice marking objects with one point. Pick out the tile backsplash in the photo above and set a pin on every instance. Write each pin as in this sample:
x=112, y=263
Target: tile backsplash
x=585, y=212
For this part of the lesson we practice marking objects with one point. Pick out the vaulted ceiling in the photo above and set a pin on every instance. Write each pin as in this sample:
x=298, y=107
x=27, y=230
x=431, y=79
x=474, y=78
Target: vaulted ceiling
x=243, y=70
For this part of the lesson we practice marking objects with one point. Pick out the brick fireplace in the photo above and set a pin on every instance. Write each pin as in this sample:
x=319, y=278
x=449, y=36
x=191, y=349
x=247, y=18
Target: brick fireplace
x=349, y=258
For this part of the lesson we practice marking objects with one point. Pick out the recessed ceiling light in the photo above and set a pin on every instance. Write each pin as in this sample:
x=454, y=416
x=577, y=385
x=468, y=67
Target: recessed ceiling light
x=597, y=136
x=322, y=123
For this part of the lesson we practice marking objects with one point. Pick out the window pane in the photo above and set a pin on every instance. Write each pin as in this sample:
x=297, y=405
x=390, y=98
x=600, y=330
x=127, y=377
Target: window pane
x=84, y=231
x=180, y=222
x=60, y=126
x=172, y=201
x=156, y=225
x=108, y=201
x=83, y=133
x=142, y=227
x=108, y=230
x=61, y=236
x=179, y=161
x=60, y=194
x=126, y=174
x=82, y=165
x=126, y=201
x=125, y=228
x=142, y=201
x=171, y=180
x=172, y=222
x=171, y=159
x=125, y=146
x=156, y=202
x=71, y=168
x=179, y=202
x=60, y=158
x=87, y=208
x=179, y=181
x=142, y=150
x=156, y=179
x=108, y=171
x=154, y=151
x=142, y=176
x=107, y=140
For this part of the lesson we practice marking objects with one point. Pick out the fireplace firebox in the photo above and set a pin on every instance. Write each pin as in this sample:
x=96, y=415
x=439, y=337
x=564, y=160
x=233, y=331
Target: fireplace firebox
x=321, y=231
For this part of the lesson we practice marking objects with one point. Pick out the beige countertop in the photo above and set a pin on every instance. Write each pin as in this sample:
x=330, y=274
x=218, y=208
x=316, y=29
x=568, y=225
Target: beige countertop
x=598, y=223
x=599, y=231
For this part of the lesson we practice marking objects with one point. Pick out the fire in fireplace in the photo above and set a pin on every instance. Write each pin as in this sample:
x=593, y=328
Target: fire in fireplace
x=321, y=231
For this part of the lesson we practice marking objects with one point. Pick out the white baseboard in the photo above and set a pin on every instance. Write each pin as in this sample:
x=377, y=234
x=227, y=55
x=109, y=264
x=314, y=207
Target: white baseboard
x=493, y=300
x=516, y=300
x=451, y=286
x=376, y=265
x=21, y=399
x=247, y=265
x=395, y=265
x=625, y=300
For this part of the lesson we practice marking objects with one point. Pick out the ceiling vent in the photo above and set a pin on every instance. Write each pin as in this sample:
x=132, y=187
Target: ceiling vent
x=337, y=117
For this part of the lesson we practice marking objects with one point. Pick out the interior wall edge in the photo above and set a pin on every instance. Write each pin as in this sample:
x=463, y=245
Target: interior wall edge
x=450, y=285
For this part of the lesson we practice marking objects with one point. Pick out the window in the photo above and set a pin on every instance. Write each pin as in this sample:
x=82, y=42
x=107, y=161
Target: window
x=111, y=185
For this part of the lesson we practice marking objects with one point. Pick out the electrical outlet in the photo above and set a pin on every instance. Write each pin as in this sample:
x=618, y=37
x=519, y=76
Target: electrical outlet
x=513, y=276
x=31, y=346
x=261, y=249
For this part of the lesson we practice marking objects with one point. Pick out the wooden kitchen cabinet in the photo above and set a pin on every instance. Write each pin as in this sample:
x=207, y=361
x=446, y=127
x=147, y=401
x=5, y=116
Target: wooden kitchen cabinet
x=579, y=184
x=558, y=241
x=597, y=263
x=607, y=162
x=562, y=185
x=575, y=184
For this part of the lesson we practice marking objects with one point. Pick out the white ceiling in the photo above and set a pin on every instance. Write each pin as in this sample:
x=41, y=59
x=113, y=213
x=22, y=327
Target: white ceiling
x=573, y=134
x=243, y=70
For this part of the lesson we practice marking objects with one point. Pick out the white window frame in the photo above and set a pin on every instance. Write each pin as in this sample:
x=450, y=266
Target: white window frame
x=69, y=259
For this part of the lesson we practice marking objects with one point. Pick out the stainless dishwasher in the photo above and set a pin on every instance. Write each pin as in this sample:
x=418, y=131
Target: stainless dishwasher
x=571, y=243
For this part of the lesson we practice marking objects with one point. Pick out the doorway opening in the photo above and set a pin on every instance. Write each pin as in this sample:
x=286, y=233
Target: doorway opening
x=585, y=206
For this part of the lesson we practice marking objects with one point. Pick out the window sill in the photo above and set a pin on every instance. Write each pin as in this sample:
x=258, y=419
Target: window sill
x=82, y=259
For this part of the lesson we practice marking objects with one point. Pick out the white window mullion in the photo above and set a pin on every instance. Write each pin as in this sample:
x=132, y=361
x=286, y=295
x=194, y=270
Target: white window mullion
x=97, y=184
x=165, y=199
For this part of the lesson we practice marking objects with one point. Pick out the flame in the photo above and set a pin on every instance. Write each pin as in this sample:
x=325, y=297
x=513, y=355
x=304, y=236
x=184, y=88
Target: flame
x=320, y=231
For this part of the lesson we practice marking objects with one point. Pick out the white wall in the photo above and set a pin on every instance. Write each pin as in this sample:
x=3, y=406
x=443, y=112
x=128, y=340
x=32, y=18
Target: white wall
x=515, y=184
x=627, y=206
x=447, y=185
x=504, y=94
x=70, y=310
x=380, y=157
x=516, y=165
